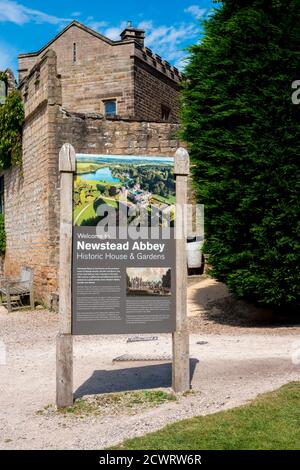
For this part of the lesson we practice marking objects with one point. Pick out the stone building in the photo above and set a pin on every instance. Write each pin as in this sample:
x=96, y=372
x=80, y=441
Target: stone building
x=120, y=78
x=102, y=96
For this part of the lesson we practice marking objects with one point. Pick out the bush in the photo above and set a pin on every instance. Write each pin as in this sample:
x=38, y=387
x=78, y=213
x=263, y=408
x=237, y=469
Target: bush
x=244, y=137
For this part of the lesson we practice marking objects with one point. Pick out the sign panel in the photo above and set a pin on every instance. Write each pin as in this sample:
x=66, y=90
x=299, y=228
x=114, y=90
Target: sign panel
x=123, y=245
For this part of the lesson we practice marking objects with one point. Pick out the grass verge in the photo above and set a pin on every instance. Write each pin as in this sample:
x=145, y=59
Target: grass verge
x=271, y=422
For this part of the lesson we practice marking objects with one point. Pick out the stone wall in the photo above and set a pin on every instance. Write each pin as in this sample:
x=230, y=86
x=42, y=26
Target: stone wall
x=11, y=81
x=32, y=192
x=100, y=71
x=148, y=85
x=93, y=134
x=140, y=81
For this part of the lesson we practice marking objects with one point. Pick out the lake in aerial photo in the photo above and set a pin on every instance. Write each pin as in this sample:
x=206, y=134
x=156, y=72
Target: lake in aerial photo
x=109, y=179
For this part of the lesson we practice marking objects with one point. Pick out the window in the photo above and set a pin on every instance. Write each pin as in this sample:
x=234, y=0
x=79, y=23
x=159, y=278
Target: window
x=165, y=113
x=110, y=108
x=3, y=91
x=1, y=194
x=74, y=52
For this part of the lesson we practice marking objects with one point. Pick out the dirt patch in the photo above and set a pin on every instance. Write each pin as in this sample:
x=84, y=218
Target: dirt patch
x=113, y=404
x=212, y=309
x=230, y=364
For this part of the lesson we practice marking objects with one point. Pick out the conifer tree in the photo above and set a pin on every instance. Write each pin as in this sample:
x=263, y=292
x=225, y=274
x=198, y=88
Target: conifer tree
x=244, y=136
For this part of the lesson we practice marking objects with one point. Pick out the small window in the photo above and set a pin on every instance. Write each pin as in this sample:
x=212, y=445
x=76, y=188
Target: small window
x=1, y=194
x=74, y=52
x=165, y=113
x=3, y=91
x=110, y=108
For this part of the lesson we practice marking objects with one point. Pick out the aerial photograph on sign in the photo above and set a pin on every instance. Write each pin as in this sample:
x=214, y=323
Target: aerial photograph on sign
x=141, y=181
x=148, y=281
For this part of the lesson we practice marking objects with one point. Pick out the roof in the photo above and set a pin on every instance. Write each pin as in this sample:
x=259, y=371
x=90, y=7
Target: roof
x=145, y=50
x=70, y=25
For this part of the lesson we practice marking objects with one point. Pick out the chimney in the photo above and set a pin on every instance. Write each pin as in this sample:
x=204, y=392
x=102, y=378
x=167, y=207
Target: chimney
x=133, y=33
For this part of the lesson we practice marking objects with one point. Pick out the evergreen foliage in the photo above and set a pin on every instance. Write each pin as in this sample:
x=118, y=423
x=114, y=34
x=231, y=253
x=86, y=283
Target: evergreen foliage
x=244, y=136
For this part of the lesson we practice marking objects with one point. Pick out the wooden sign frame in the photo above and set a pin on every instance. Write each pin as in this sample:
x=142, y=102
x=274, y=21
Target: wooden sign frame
x=64, y=345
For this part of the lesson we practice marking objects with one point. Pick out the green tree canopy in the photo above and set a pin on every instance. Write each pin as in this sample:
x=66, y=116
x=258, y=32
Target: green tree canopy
x=244, y=137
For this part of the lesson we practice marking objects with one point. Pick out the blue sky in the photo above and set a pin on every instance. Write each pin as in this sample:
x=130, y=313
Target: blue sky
x=171, y=25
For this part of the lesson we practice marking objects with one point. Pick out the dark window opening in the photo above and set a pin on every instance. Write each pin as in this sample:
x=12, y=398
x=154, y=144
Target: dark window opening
x=165, y=113
x=74, y=52
x=1, y=194
x=110, y=108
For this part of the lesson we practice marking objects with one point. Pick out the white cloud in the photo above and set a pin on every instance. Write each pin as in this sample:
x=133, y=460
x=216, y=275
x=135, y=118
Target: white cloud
x=114, y=32
x=75, y=14
x=103, y=27
x=145, y=24
x=7, y=56
x=168, y=41
x=196, y=11
x=14, y=12
x=97, y=25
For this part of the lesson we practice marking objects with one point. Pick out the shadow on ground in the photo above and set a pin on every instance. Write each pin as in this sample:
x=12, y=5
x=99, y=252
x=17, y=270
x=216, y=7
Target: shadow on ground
x=130, y=379
x=211, y=302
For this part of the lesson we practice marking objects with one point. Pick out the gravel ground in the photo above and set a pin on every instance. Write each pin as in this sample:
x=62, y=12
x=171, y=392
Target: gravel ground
x=230, y=365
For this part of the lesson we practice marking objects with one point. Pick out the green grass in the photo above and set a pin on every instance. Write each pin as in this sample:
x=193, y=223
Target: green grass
x=86, y=212
x=82, y=213
x=110, y=202
x=104, y=184
x=271, y=422
x=165, y=200
x=128, y=403
x=82, y=168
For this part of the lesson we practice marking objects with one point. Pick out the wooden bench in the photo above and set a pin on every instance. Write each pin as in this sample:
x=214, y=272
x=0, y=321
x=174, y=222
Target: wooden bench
x=13, y=291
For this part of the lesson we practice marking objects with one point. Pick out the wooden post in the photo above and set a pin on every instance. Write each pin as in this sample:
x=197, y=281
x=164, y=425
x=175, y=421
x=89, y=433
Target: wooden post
x=8, y=299
x=64, y=345
x=181, y=359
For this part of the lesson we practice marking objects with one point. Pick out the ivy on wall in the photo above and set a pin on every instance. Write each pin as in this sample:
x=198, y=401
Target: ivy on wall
x=2, y=235
x=11, y=121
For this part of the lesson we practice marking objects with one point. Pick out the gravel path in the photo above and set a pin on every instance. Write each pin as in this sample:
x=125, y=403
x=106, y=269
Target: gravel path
x=230, y=365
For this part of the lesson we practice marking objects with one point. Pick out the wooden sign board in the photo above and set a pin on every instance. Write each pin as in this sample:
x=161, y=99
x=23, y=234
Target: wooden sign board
x=111, y=284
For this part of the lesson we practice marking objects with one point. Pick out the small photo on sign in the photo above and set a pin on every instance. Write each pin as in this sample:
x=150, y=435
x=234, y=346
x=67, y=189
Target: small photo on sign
x=152, y=282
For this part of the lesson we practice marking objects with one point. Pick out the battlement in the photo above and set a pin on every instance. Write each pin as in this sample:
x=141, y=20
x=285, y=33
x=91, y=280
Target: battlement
x=160, y=64
x=42, y=85
x=94, y=69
